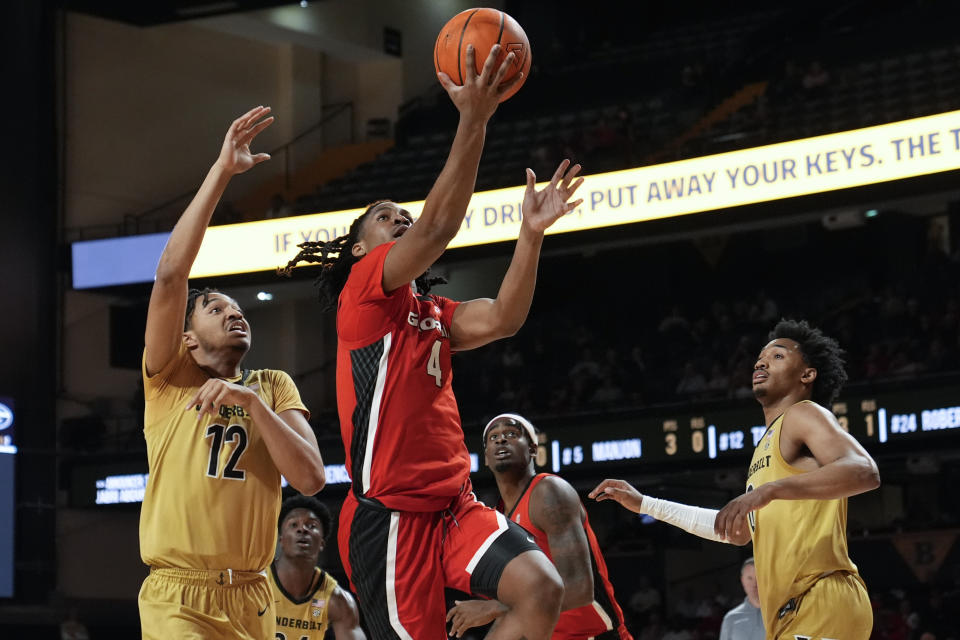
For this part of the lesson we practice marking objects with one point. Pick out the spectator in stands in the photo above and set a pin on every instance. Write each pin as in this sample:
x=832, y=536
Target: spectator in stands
x=934, y=617
x=645, y=599
x=511, y=359
x=692, y=384
x=719, y=381
x=608, y=392
x=225, y=213
x=744, y=621
x=72, y=628
x=584, y=375
x=278, y=207
x=767, y=311
x=676, y=630
x=788, y=84
x=815, y=79
x=674, y=322
x=652, y=627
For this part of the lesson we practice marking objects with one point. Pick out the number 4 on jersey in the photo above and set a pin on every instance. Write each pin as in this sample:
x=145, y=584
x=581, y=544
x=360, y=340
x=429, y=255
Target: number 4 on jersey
x=433, y=364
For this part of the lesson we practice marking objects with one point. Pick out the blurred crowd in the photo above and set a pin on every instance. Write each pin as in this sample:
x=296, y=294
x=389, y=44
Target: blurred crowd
x=689, y=344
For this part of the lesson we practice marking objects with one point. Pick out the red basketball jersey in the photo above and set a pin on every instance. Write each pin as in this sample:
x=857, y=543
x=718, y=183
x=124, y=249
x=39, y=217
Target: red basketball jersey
x=600, y=616
x=398, y=417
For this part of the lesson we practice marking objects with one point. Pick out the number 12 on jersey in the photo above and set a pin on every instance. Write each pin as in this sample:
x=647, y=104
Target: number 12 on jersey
x=220, y=433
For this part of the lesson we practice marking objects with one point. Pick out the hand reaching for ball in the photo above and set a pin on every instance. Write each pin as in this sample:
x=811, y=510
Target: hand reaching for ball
x=480, y=94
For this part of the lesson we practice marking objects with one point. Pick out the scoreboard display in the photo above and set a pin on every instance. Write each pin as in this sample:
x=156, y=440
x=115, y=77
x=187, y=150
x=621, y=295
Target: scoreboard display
x=880, y=421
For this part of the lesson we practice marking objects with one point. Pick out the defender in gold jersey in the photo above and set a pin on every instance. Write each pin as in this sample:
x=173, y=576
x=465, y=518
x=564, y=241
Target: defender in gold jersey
x=307, y=599
x=795, y=505
x=218, y=439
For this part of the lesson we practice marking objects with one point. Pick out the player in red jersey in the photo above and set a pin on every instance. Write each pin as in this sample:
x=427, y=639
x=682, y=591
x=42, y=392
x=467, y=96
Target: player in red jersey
x=549, y=508
x=411, y=525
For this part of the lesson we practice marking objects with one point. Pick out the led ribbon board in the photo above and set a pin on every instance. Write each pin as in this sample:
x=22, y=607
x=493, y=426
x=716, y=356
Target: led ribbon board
x=831, y=162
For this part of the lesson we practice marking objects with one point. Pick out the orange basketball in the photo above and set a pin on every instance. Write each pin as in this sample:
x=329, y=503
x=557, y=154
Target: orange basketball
x=482, y=28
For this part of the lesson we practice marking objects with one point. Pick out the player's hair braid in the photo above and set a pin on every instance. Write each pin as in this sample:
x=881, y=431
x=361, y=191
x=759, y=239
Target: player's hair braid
x=336, y=259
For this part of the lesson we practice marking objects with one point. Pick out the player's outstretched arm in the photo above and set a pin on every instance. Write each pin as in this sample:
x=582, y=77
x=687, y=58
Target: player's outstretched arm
x=481, y=321
x=446, y=204
x=344, y=616
x=168, y=300
x=696, y=520
x=844, y=466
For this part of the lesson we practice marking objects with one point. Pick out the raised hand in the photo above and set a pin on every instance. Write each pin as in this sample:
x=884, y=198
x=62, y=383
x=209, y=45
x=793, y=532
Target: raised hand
x=619, y=490
x=235, y=155
x=542, y=208
x=479, y=95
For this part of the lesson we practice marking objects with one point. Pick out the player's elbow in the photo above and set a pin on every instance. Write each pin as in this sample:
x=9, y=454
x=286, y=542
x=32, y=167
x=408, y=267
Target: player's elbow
x=505, y=324
x=870, y=475
x=863, y=475
x=169, y=273
x=580, y=595
x=438, y=229
x=312, y=481
x=508, y=329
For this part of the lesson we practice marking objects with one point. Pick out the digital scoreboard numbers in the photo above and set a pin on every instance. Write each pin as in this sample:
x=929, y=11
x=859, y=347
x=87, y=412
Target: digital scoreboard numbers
x=901, y=417
x=874, y=420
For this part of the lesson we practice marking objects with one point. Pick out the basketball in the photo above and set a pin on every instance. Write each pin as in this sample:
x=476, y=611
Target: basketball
x=482, y=28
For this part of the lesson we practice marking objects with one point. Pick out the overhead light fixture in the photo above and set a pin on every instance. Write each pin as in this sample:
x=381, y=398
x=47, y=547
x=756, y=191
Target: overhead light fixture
x=303, y=3
x=264, y=296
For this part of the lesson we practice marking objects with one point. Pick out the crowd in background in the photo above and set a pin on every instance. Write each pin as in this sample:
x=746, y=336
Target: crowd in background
x=696, y=337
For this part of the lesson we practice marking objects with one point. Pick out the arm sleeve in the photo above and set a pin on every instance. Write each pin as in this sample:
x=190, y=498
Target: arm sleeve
x=695, y=520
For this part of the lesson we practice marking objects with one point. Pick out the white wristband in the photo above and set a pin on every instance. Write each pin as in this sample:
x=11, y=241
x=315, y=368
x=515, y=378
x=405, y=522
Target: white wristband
x=695, y=520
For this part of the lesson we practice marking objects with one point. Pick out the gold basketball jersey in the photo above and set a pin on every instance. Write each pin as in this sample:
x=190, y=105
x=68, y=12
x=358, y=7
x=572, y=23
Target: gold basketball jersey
x=305, y=618
x=795, y=542
x=213, y=494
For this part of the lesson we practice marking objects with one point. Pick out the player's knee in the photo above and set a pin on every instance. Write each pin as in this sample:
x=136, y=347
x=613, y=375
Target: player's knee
x=551, y=590
x=536, y=586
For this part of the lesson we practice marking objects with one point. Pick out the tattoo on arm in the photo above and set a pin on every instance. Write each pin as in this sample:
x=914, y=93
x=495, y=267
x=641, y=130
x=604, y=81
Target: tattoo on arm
x=559, y=513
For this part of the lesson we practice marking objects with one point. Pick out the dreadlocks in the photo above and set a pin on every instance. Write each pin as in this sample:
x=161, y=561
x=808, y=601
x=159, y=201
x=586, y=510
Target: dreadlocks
x=336, y=259
x=820, y=352
x=192, y=296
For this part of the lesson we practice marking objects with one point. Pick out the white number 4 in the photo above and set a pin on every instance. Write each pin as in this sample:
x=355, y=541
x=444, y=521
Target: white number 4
x=433, y=364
